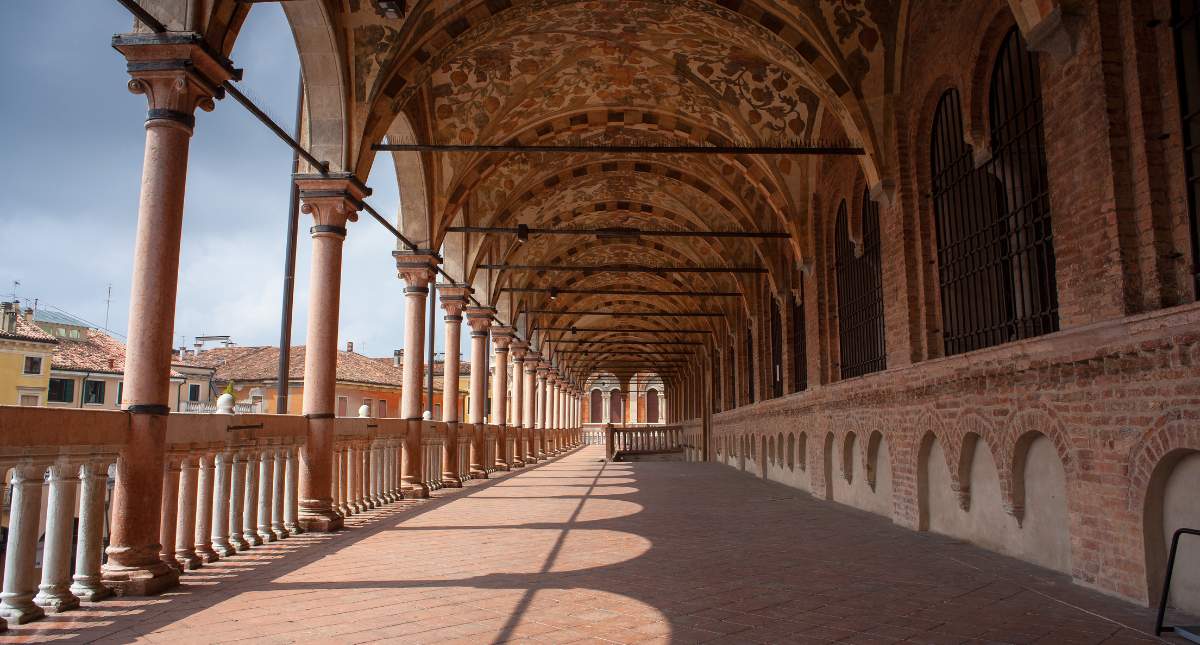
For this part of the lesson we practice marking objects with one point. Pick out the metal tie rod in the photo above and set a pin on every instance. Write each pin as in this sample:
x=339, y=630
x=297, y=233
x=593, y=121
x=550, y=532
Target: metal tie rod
x=623, y=149
x=622, y=268
x=660, y=314
x=521, y=231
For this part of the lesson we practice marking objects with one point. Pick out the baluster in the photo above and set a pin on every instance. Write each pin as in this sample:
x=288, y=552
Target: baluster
x=93, y=478
x=278, y=494
x=54, y=594
x=222, y=476
x=291, y=501
x=20, y=582
x=340, y=477
x=185, y=526
x=167, y=521
x=204, y=507
x=237, y=502
x=266, y=478
x=250, y=510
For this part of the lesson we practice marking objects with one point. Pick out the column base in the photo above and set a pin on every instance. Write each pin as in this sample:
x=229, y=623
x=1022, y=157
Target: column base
x=151, y=580
x=327, y=522
x=207, y=555
x=224, y=549
x=294, y=528
x=21, y=615
x=517, y=463
x=188, y=560
x=239, y=543
x=252, y=538
x=416, y=491
x=500, y=465
x=477, y=472
x=450, y=481
x=90, y=589
x=53, y=602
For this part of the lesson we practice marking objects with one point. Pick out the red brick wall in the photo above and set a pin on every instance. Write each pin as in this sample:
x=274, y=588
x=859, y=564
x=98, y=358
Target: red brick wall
x=1118, y=388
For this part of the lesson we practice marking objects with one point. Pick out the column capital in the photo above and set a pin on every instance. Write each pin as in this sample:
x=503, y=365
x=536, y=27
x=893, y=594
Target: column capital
x=502, y=336
x=480, y=318
x=531, y=360
x=454, y=299
x=177, y=73
x=519, y=349
x=332, y=200
x=416, y=268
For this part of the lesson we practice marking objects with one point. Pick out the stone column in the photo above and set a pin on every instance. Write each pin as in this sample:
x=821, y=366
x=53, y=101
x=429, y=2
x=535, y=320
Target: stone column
x=480, y=320
x=291, y=499
x=220, y=507
x=501, y=337
x=266, y=479
x=20, y=581
x=237, y=501
x=167, y=521
x=662, y=408
x=280, y=487
x=529, y=412
x=454, y=300
x=606, y=413
x=176, y=75
x=333, y=202
x=542, y=420
x=204, y=506
x=417, y=271
x=185, y=527
x=54, y=594
x=93, y=478
x=250, y=500
x=517, y=422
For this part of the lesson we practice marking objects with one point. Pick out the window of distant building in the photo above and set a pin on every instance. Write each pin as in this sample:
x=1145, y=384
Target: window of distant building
x=62, y=390
x=93, y=392
x=120, y=392
x=194, y=392
x=33, y=364
x=343, y=405
x=383, y=409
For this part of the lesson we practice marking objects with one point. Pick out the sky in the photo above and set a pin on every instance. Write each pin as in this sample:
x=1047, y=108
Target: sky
x=71, y=145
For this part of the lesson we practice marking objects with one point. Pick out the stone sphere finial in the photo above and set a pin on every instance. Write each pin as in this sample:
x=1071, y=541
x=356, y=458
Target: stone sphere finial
x=364, y=411
x=225, y=404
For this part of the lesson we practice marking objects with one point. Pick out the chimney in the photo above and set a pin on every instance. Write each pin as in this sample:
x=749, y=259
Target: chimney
x=29, y=315
x=397, y=357
x=349, y=346
x=8, y=316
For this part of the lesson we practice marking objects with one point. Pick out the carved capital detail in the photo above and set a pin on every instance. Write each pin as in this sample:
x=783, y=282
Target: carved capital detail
x=416, y=268
x=480, y=318
x=176, y=73
x=332, y=200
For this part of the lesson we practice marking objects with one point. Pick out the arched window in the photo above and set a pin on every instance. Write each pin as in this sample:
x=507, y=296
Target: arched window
x=596, y=406
x=1186, y=20
x=652, y=406
x=1019, y=163
x=749, y=359
x=974, y=263
x=860, y=295
x=616, y=402
x=799, y=344
x=776, y=350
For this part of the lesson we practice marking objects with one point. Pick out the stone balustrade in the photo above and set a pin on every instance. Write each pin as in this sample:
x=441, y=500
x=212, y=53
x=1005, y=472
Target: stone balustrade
x=229, y=485
x=645, y=439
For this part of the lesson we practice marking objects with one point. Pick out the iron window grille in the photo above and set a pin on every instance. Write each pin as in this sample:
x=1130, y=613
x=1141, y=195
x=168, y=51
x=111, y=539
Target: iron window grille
x=776, y=350
x=860, y=295
x=1019, y=163
x=749, y=366
x=799, y=344
x=1186, y=26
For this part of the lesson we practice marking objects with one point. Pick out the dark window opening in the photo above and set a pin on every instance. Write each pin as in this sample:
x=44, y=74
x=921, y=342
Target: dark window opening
x=596, y=406
x=194, y=392
x=776, y=350
x=33, y=365
x=749, y=366
x=93, y=392
x=62, y=390
x=1186, y=23
x=860, y=295
x=799, y=344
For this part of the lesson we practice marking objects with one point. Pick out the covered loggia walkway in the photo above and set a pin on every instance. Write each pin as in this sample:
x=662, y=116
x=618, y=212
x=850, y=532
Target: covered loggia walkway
x=579, y=549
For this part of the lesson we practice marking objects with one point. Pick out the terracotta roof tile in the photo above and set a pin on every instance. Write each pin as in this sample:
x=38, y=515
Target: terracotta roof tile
x=25, y=330
x=96, y=352
x=262, y=363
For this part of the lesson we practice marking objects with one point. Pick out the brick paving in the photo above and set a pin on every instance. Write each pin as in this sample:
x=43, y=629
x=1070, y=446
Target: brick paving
x=576, y=550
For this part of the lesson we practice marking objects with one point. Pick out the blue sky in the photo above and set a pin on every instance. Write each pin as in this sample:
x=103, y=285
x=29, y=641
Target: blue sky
x=71, y=163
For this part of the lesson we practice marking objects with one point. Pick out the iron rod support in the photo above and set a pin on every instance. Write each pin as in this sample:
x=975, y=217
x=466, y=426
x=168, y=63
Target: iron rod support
x=621, y=268
x=623, y=292
x=623, y=314
x=623, y=149
x=620, y=232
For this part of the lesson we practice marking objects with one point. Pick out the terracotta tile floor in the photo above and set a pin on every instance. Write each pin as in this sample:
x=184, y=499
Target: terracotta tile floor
x=576, y=550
